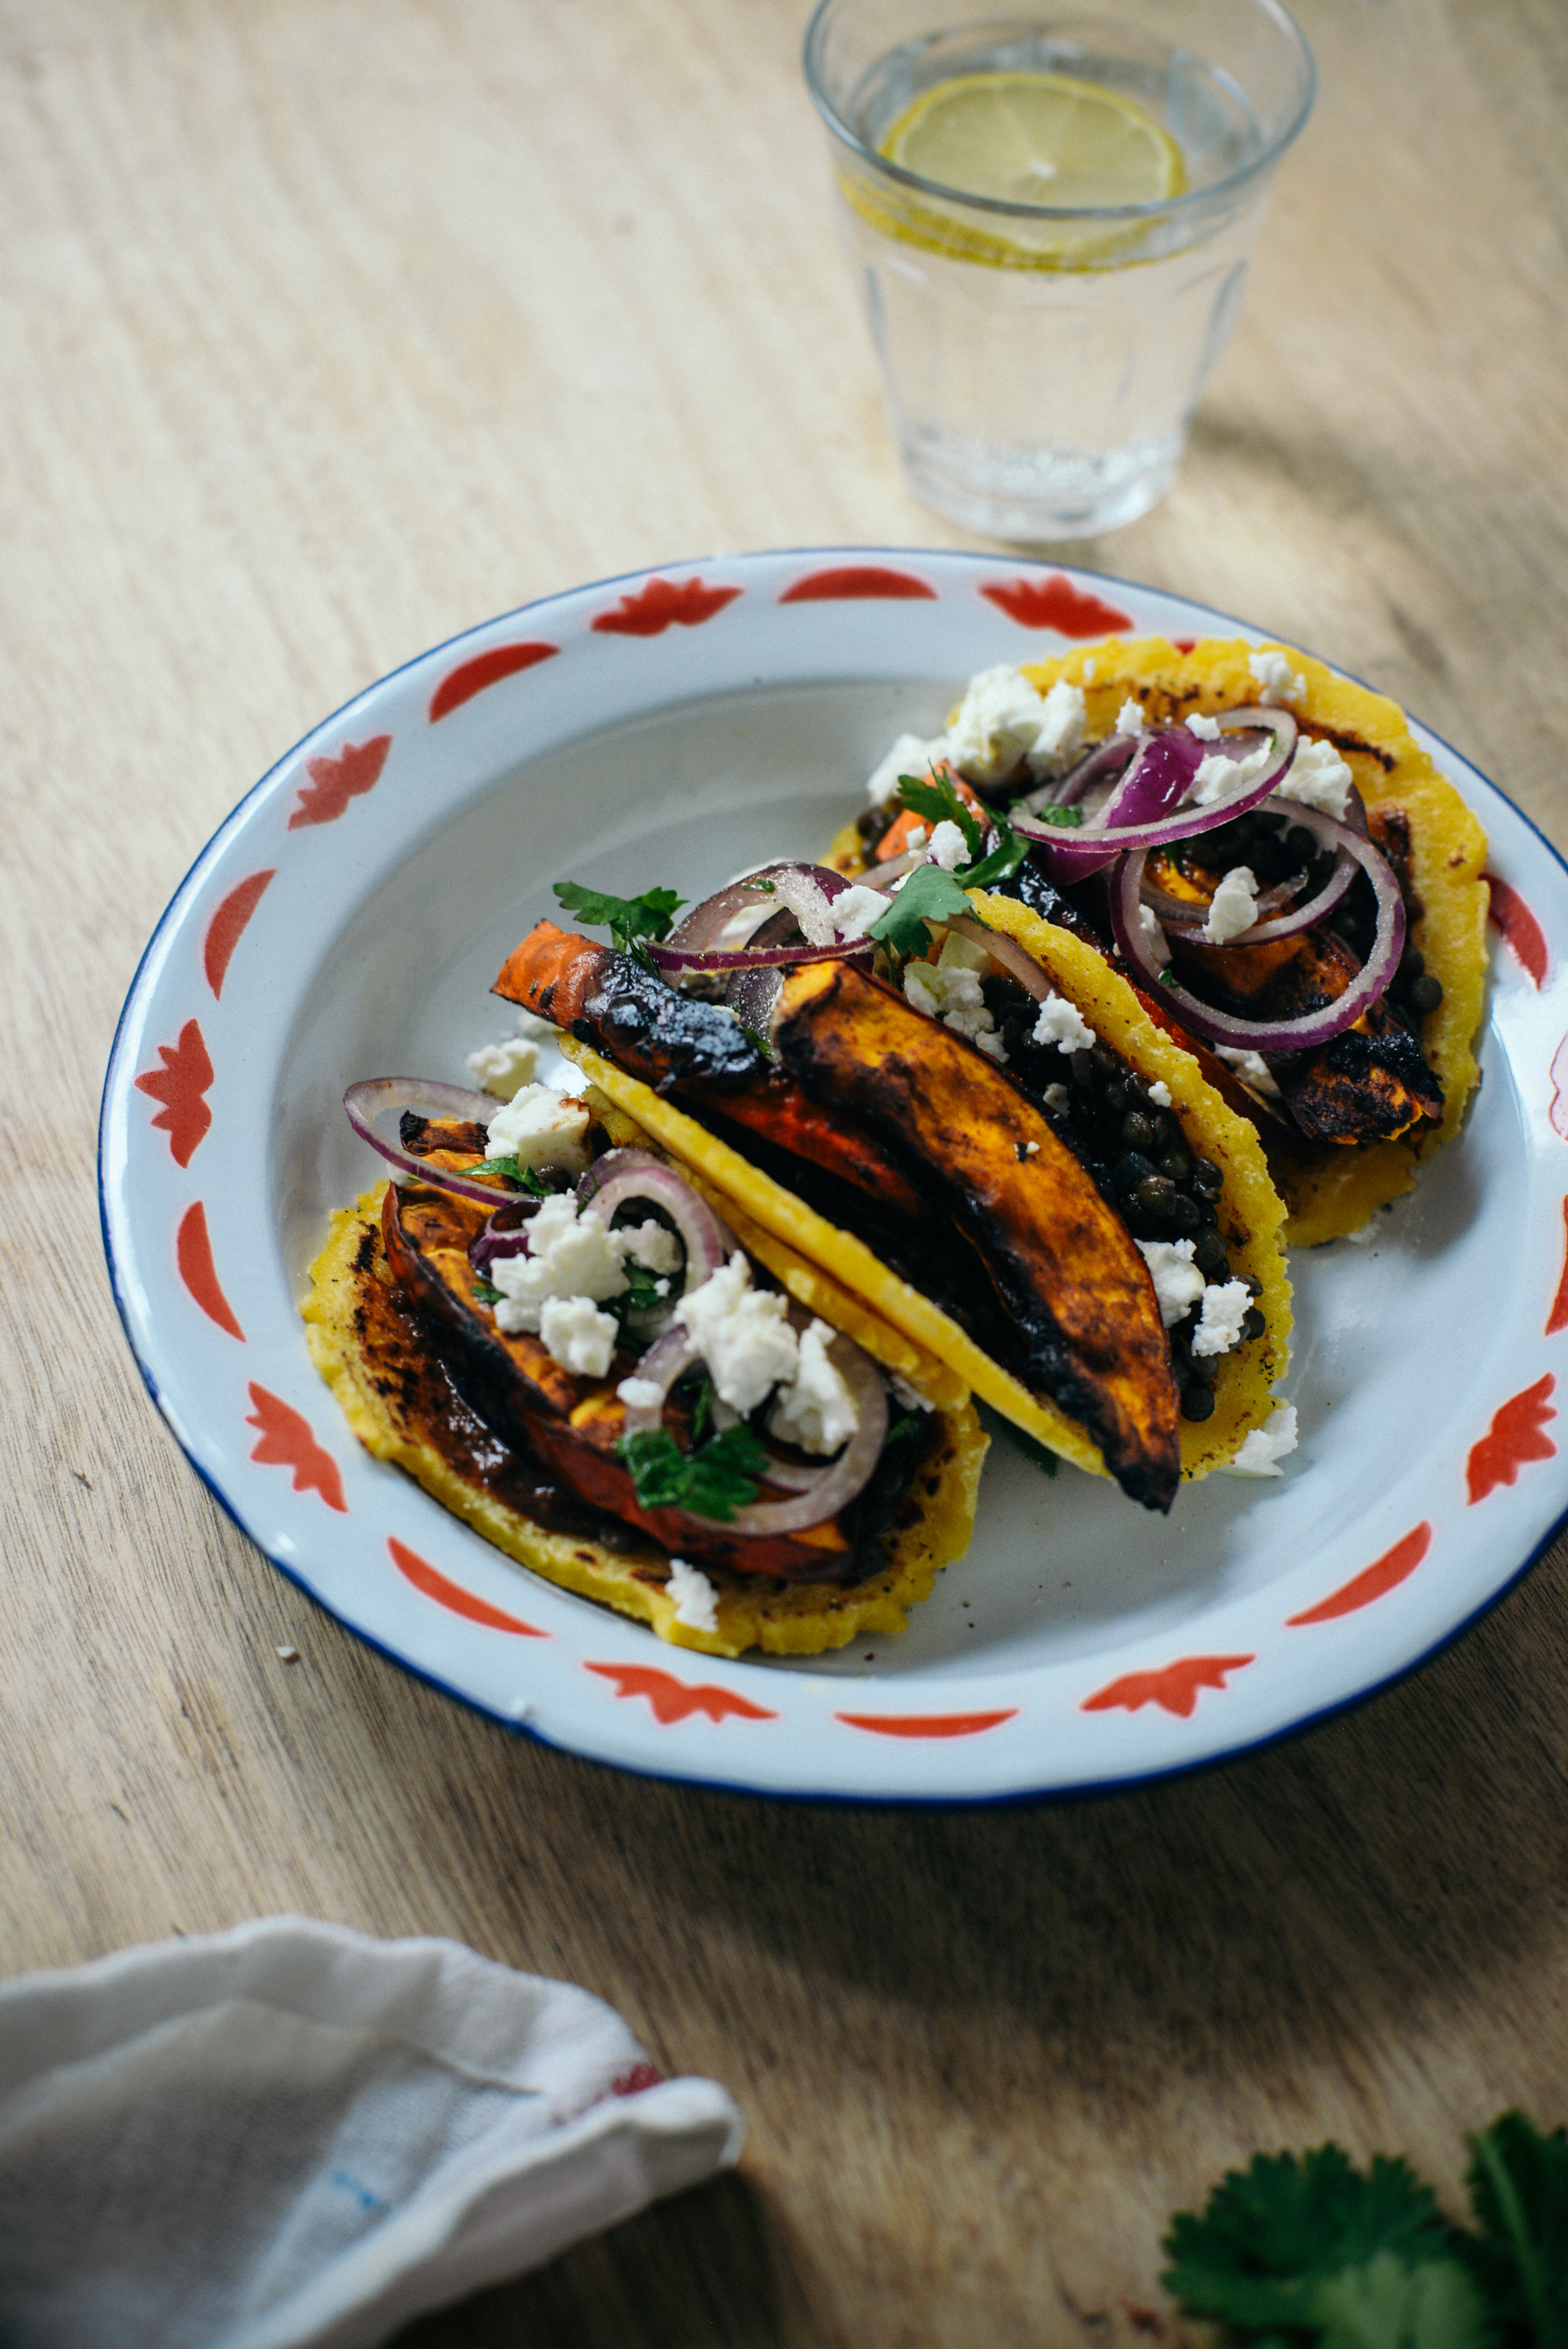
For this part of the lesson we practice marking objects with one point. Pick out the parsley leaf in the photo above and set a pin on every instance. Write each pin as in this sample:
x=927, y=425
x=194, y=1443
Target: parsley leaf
x=929, y=895
x=524, y=1177
x=1518, y=2180
x=627, y=919
x=939, y=800
x=716, y=1482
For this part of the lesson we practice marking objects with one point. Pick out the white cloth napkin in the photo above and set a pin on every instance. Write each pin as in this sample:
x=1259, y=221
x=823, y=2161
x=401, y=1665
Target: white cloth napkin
x=292, y=2134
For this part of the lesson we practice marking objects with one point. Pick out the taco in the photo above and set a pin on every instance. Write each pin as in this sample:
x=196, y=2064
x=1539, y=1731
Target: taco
x=618, y=1380
x=900, y=1093
x=1270, y=859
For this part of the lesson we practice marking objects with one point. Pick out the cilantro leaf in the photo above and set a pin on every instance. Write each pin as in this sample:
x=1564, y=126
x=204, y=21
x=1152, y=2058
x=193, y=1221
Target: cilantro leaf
x=1272, y=2234
x=1065, y=818
x=929, y=895
x=485, y=1293
x=524, y=1177
x=938, y=800
x=716, y=1482
x=1001, y=865
x=1518, y=2181
x=1384, y=2305
x=627, y=919
x=702, y=1407
x=642, y=1293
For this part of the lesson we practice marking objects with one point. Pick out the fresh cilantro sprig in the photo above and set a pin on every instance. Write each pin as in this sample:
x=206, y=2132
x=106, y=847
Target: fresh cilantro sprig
x=1308, y=2252
x=1065, y=818
x=716, y=1482
x=642, y=1293
x=524, y=1177
x=938, y=799
x=930, y=894
x=629, y=920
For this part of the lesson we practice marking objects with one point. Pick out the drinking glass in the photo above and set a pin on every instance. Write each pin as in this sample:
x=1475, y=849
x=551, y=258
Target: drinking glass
x=1039, y=363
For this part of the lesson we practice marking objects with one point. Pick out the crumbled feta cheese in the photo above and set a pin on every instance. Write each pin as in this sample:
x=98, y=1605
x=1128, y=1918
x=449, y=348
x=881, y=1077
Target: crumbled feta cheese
x=1207, y=729
x=949, y=991
x=651, y=1245
x=948, y=847
x=915, y=837
x=577, y=1335
x=855, y=910
x=640, y=1395
x=1032, y=1149
x=1178, y=1283
x=1160, y=1093
x=1219, y=774
x=908, y=1397
x=742, y=1333
x=543, y=1129
x=909, y=756
x=1130, y=717
x=999, y=721
x=1251, y=1067
x=816, y=1410
x=570, y=1255
x=1317, y=777
x=1226, y=1305
x=1153, y=936
x=504, y=1068
x=1266, y=1447
x=696, y=1600
x=1061, y=1024
x=807, y=902
x=1061, y=729
x=1233, y=906
x=1274, y=678
x=1056, y=1097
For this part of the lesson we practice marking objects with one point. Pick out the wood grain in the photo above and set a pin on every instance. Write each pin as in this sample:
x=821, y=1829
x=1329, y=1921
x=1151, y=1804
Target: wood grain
x=328, y=327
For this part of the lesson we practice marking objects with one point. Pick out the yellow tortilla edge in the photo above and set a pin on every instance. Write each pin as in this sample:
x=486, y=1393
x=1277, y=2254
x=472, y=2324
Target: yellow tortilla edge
x=1336, y=1189
x=753, y=1612
x=1251, y=1212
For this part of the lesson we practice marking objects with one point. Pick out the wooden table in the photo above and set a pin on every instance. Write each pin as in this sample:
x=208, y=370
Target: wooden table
x=330, y=329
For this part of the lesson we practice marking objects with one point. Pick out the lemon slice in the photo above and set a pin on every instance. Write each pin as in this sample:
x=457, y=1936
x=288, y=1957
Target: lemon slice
x=1036, y=138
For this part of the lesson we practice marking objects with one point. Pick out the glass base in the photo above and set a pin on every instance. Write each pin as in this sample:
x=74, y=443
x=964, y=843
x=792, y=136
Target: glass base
x=1030, y=495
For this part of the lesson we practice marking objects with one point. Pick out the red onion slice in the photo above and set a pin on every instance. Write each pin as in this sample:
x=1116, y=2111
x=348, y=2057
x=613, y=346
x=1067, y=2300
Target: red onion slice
x=1274, y=1035
x=367, y=1100
x=622, y=1176
x=660, y=1367
x=1188, y=920
x=1072, y=854
x=1098, y=763
x=807, y=891
x=834, y=1486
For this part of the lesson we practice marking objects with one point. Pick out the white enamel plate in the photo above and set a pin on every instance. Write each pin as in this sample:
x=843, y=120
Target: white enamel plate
x=348, y=921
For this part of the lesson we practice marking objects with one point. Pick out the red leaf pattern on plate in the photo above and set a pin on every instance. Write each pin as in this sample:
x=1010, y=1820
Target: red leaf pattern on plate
x=674, y=1699
x=434, y=1585
x=1522, y=933
x=334, y=781
x=193, y=1255
x=1514, y=1438
x=927, y=1725
x=1558, y=1317
x=287, y=1442
x=180, y=1084
x=1175, y=1687
x=1558, y=1114
x=485, y=668
x=1056, y=603
x=227, y=926
x=661, y=605
x=1384, y=1574
x=856, y=581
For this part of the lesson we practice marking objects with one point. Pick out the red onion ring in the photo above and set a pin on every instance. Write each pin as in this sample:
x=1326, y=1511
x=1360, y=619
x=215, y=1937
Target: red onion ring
x=1100, y=759
x=661, y=1366
x=365, y=1101
x=689, y=947
x=1274, y=1035
x=622, y=1176
x=1073, y=854
x=834, y=1486
x=1285, y=926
